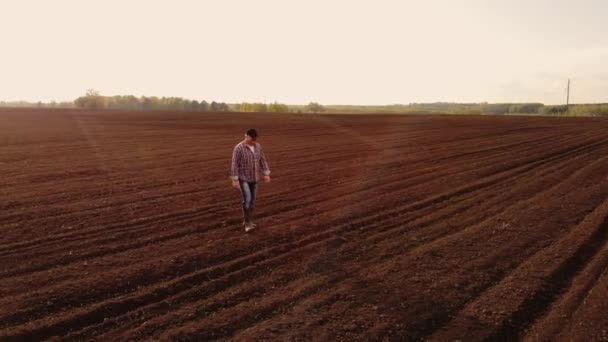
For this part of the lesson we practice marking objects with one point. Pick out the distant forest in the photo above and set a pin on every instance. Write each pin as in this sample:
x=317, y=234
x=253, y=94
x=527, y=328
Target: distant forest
x=480, y=108
x=94, y=101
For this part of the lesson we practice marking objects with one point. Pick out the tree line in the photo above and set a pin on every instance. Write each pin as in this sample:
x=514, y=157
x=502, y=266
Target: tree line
x=96, y=101
x=276, y=107
x=478, y=108
x=40, y=104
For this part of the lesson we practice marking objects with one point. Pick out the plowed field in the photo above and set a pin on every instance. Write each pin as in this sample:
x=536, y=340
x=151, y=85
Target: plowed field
x=120, y=226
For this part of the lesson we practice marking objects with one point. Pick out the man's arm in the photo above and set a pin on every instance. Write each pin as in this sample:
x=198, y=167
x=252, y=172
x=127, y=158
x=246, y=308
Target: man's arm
x=234, y=169
x=264, y=166
x=264, y=163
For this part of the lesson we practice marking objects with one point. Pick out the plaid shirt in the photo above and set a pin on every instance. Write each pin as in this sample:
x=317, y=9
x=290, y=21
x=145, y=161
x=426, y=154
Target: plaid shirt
x=247, y=165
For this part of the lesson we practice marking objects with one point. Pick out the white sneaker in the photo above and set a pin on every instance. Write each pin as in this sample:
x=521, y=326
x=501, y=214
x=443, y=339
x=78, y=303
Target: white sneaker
x=249, y=227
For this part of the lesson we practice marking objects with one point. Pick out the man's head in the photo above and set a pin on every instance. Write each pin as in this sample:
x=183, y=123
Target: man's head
x=251, y=136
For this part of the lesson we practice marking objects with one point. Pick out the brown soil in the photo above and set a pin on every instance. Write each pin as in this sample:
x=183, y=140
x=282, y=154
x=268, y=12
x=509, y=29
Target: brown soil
x=121, y=226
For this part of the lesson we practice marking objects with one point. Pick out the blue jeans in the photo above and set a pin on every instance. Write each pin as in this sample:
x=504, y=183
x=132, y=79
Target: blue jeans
x=249, y=191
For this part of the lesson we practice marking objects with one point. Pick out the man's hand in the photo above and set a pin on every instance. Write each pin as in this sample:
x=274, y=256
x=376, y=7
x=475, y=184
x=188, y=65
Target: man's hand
x=236, y=185
x=266, y=179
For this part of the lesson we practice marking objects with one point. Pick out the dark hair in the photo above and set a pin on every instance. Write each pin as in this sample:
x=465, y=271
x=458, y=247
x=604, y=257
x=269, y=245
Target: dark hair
x=252, y=133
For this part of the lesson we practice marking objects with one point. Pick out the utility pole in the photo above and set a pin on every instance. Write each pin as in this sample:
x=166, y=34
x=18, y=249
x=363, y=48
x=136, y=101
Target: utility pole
x=568, y=94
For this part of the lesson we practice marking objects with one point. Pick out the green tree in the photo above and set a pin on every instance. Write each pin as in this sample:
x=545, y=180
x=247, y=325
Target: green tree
x=92, y=100
x=252, y=107
x=204, y=106
x=195, y=106
x=214, y=107
x=314, y=107
x=224, y=107
x=278, y=108
x=554, y=110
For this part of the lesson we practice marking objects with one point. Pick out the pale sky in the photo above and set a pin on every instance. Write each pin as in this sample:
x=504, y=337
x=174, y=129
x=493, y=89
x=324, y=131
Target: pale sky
x=332, y=52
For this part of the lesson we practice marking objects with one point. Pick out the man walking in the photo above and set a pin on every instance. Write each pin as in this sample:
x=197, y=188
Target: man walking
x=248, y=161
